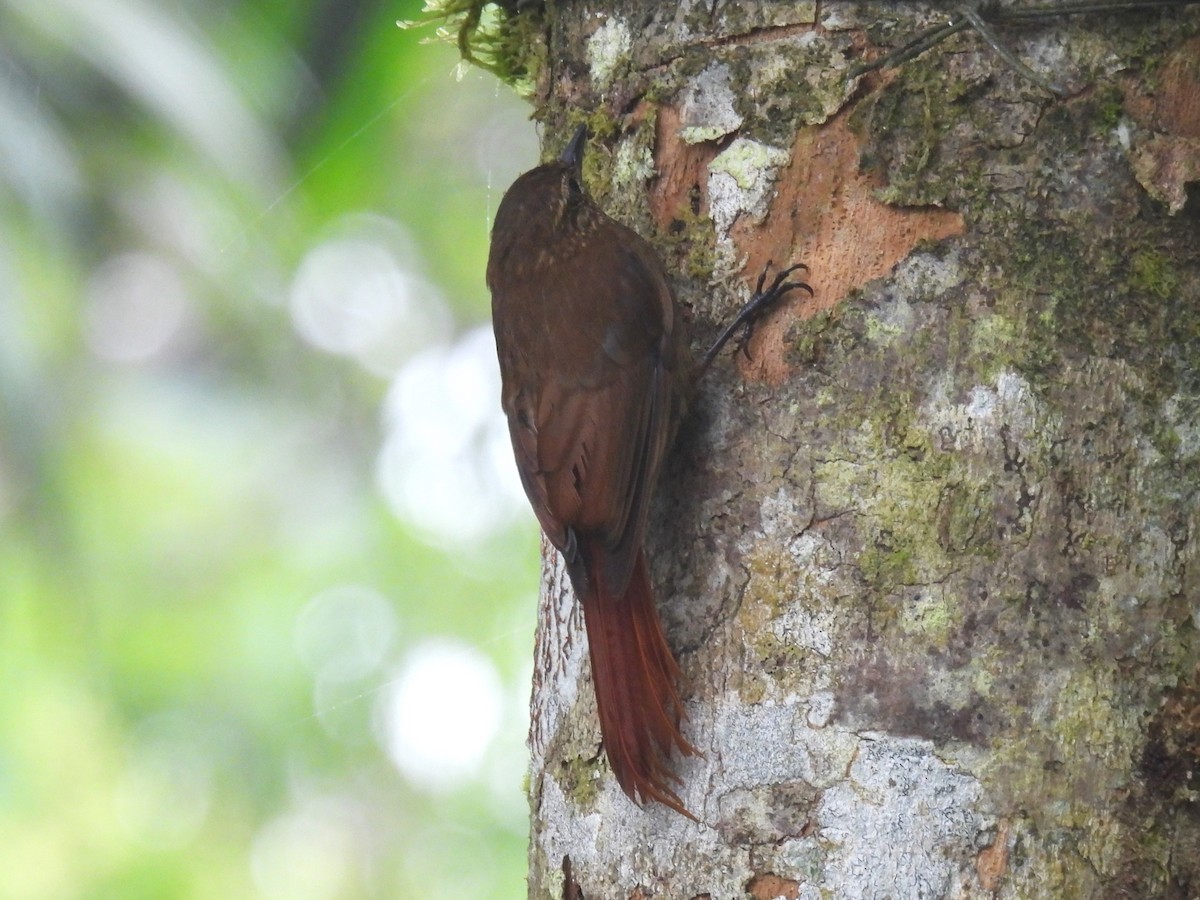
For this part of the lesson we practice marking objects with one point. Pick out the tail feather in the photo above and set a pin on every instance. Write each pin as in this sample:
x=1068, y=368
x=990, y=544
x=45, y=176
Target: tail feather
x=634, y=675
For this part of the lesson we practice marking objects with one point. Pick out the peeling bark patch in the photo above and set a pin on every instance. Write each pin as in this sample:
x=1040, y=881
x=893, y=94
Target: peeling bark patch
x=856, y=239
x=772, y=887
x=992, y=860
x=1165, y=166
x=681, y=191
x=1166, y=157
x=1174, y=107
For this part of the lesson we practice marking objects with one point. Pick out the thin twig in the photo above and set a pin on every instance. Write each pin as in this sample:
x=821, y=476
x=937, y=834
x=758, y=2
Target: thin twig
x=984, y=30
x=926, y=40
x=973, y=17
x=1050, y=10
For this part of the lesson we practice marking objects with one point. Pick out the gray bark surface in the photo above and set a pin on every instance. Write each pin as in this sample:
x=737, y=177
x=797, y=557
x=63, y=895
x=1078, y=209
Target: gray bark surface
x=929, y=558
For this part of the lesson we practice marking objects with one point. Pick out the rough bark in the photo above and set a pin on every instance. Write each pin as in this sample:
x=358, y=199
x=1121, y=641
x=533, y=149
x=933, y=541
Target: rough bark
x=929, y=558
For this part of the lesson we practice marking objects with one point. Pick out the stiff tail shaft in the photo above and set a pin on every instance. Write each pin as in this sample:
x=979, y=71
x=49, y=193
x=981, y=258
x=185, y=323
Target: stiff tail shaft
x=635, y=676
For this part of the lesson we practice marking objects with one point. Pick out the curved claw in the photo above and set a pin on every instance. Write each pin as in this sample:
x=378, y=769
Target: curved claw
x=760, y=303
x=762, y=277
x=743, y=340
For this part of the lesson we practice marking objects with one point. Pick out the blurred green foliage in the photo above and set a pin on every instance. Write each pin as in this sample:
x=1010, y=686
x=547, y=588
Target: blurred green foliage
x=207, y=603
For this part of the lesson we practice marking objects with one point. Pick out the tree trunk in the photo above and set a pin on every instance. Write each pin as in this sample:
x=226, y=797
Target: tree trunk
x=928, y=556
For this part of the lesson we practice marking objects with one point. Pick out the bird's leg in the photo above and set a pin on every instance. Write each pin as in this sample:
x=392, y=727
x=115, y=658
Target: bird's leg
x=760, y=303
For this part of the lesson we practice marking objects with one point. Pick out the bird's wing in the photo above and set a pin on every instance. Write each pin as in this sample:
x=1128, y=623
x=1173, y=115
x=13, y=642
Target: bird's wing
x=590, y=429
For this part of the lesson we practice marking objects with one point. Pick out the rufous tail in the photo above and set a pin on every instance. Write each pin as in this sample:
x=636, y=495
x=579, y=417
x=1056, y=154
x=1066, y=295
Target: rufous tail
x=635, y=676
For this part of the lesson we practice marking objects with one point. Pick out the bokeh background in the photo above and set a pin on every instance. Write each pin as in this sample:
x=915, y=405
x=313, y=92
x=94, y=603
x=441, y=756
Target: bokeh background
x=267, y=581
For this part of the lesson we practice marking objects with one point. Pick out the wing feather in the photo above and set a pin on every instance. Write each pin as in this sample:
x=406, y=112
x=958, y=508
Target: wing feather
x=590, y=426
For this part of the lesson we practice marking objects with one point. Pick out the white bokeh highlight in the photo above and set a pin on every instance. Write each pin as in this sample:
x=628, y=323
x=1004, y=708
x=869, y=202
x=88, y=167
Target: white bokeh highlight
x=446, y=463
x=345, y=631
x=312, y=852
x=135, y=308
x=164, y=795
x=360, y=293
x=440, y=714
x=344, y=635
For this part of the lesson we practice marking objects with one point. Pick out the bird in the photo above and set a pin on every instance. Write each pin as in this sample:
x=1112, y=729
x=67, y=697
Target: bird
x=596, y=373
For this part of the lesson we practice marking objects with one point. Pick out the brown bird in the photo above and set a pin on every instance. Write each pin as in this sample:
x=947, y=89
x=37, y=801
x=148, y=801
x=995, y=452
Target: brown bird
x=595, y=374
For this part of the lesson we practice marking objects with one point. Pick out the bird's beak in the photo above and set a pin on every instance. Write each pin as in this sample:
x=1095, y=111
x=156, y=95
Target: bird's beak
x=572, y=154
